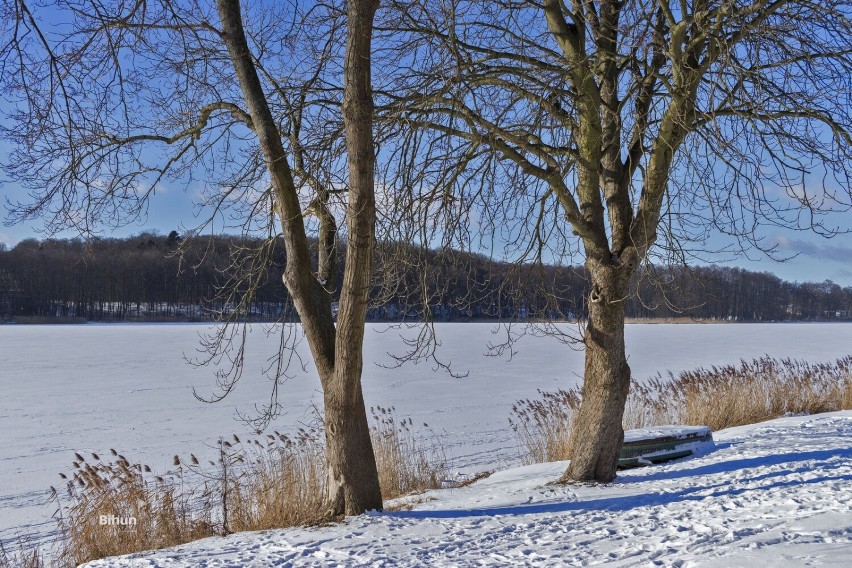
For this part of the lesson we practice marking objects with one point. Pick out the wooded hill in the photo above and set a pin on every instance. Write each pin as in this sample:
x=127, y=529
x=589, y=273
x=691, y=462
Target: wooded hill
x=151, y=277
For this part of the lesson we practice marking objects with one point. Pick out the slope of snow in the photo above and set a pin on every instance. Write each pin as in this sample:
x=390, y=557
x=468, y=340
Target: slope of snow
x=90, y=388
x=771, y=494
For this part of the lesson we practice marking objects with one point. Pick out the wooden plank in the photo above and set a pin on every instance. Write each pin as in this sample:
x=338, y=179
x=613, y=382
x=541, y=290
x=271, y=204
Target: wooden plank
x=665, y=434
x=661, y=444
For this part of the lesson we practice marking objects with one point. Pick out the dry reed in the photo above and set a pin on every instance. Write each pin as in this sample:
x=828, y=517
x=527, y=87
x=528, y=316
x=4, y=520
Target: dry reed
x=404, y=463
x=543, y=425
x=24, y=555
x=254, y=484
x=718, y=397
x=277, y=483
x=117, y=508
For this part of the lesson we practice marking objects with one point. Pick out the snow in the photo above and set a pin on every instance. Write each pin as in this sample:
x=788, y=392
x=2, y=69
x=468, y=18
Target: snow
x=772, y=494
x=90, y=388
x=669, y=431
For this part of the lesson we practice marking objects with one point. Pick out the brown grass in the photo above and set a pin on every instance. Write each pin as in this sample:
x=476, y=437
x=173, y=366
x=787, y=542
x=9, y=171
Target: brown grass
x=274, y=483
x=718, y=397
x=255, y=484
x=543, y=425
x=164, y=513
x=406, y=465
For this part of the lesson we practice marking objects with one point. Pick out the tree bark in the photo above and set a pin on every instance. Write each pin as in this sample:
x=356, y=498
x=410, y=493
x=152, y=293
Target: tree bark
x=353, y=482
x=597, y=435
x=327, y=246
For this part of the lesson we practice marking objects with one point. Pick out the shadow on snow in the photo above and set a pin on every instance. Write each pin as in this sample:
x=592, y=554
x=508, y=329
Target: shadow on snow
x=696, y=493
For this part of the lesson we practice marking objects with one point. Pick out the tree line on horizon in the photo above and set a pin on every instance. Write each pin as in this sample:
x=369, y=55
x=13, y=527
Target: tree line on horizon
x=152, y=277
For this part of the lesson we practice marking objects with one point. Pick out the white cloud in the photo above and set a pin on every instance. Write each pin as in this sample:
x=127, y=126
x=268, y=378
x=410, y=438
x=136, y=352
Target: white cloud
x=837, y=251
x=8, y=240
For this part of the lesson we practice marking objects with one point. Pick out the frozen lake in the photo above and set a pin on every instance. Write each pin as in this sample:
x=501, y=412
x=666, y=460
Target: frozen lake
x=95, y=387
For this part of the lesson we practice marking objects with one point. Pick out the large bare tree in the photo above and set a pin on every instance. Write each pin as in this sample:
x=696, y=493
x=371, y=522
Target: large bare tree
x=113, y=98
x=640, y=127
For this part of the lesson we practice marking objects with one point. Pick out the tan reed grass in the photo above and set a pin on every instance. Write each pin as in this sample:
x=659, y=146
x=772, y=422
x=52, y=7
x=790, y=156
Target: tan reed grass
x=718, y=397
x=254, y=484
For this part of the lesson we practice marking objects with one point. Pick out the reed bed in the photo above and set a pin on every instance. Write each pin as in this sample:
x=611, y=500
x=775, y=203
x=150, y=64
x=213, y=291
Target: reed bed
x=21, y=554
x=112, y=507
x=718, y=397
x=406, y=464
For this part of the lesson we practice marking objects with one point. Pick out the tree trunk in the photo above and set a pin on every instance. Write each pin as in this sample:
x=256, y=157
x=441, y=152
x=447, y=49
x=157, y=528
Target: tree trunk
x=353, y=482
x=597, y=433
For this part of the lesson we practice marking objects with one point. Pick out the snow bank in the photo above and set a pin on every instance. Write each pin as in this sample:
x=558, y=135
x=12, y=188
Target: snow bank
x=772, y=494
x=671, y=431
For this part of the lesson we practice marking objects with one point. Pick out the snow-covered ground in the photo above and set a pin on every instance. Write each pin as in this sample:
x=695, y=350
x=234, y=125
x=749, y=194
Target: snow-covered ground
x=772, y=494
x=95, y=387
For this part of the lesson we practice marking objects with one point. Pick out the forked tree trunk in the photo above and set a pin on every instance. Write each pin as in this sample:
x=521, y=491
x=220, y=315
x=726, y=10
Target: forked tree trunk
x=598, y=435
x=353, y=482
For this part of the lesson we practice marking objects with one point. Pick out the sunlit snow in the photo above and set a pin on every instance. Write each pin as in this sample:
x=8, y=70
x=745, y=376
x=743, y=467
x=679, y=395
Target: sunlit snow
x=96, y=387
x=773, y=494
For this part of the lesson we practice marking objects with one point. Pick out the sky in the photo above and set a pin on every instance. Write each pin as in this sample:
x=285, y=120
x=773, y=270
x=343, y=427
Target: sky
x=814, y=258
x=809, y=257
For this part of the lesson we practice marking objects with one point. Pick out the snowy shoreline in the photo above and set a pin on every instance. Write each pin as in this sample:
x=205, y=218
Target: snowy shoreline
x=777, y=493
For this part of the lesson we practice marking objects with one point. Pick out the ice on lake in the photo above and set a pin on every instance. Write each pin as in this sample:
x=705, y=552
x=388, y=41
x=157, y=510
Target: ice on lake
x=95, y=387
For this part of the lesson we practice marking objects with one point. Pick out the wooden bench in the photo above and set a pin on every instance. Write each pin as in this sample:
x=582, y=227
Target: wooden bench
x=647, y=446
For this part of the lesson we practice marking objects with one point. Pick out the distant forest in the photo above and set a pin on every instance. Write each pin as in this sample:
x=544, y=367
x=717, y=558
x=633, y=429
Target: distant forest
x=151, y=277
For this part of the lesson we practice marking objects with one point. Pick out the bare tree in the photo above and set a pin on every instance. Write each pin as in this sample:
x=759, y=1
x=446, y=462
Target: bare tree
x=114, y=99
x=639, y=127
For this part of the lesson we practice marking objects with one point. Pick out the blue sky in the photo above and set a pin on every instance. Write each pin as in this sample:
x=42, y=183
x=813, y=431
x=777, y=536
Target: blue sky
x=173, y=208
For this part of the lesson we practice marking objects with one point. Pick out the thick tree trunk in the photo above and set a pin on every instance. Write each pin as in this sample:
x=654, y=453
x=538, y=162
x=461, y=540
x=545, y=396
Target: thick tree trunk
x=312, y=302
x=353, y=483
x=597, y=434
